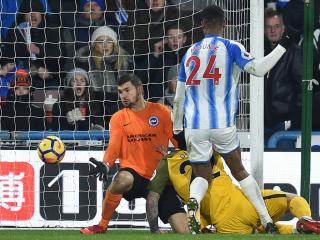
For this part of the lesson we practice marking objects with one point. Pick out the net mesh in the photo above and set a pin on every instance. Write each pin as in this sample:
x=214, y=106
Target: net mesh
x=59, y=47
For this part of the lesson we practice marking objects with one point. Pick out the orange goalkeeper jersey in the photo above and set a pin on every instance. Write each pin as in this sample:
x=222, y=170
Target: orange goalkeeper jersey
x=134, y=137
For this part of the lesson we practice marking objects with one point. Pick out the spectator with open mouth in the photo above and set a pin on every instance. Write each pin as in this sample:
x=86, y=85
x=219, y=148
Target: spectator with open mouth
x=77, y=109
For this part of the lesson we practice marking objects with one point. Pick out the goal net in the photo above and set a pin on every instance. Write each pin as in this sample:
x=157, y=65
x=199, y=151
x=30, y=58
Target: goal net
x=58, y=44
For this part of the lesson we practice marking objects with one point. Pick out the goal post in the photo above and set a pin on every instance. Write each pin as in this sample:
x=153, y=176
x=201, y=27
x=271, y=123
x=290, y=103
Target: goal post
x=257, y=92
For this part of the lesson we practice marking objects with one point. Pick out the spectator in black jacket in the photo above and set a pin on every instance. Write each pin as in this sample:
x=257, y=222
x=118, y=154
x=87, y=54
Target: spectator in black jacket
x=77, y=109
x=35, y=42
x=165, y=54
x=282, y=96
x=19, y=114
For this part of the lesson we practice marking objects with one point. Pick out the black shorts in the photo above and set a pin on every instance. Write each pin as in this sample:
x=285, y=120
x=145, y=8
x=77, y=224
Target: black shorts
x=139, y=187
x=169, y=202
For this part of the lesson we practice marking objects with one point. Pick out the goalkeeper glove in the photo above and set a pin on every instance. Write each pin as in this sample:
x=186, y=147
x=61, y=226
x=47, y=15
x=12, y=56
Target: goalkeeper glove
x=100, y=171
x=285, y=42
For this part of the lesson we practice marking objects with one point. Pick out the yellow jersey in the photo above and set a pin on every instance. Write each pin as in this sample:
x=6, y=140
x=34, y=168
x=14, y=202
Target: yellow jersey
x=224, y=205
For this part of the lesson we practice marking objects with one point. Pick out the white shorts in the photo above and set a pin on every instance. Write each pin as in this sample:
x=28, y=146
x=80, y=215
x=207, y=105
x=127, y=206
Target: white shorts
x=200, y=142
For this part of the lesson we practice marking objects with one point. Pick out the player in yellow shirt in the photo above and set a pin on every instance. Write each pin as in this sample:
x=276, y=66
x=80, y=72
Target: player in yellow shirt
x=224, y=205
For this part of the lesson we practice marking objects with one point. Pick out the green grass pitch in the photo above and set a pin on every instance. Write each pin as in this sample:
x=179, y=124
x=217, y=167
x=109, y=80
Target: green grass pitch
x=17, y=234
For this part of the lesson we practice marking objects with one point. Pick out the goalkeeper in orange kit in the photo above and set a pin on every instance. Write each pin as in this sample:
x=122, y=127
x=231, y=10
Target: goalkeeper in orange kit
x=224, y=205
x=138, y=135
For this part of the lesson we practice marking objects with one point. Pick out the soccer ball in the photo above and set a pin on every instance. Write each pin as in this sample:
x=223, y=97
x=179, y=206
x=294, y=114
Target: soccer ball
x=51, y=150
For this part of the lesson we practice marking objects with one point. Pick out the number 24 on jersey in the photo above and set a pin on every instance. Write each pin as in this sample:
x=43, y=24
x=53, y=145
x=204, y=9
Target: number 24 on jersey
x=209, y=73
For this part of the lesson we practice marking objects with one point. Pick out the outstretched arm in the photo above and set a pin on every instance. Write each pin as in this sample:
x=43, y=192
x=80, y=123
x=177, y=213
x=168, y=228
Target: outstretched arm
x=259, y=67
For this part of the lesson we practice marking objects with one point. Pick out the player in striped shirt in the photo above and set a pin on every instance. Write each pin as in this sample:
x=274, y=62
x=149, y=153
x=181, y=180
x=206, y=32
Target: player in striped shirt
x=206, y=101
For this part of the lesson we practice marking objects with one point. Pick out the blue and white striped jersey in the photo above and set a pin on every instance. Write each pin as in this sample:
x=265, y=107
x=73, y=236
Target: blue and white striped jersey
x=211, y=70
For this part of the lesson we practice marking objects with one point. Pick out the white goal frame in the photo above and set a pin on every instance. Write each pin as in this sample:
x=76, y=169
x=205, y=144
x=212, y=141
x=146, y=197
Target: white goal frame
x=257, y=92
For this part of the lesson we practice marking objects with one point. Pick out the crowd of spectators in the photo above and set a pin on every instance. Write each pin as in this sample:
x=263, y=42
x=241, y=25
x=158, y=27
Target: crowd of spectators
x=79, y=48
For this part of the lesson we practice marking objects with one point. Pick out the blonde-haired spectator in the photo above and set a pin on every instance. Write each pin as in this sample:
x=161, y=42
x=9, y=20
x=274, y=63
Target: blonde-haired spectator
x=105, y=61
